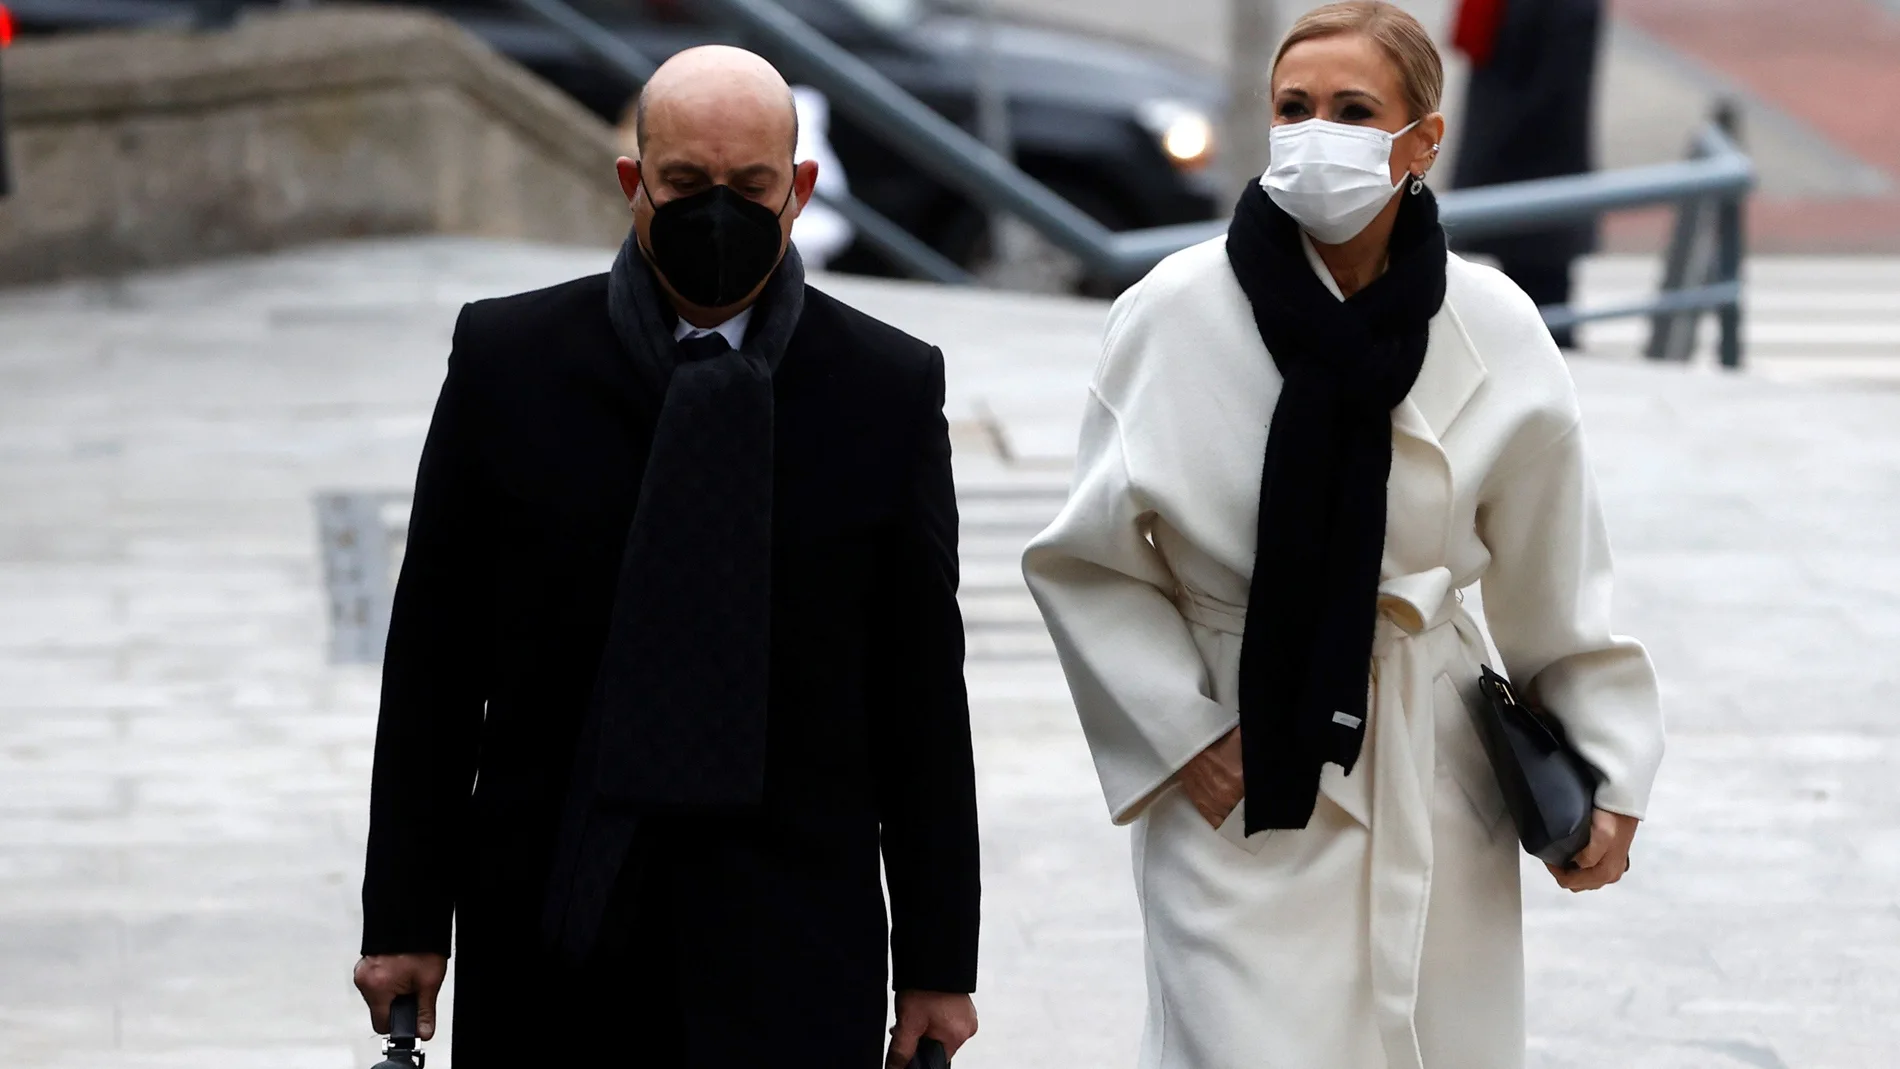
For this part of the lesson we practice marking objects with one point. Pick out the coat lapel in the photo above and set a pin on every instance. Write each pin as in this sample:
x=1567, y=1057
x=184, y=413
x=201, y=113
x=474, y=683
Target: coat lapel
x=1446, y=383
x=1421, y=489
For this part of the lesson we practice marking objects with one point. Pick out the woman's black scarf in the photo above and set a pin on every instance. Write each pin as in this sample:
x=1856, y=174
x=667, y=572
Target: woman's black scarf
x=1306, y=653
x=677, y=722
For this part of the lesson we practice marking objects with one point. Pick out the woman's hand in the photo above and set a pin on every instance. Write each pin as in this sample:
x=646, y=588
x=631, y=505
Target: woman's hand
x=1213, y=781
x=1606, y=859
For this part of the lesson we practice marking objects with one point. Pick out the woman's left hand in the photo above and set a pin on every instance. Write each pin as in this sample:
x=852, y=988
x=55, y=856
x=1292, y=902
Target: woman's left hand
x=1606, y=859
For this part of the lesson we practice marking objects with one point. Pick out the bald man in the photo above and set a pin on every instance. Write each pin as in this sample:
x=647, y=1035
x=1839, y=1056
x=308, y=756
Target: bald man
x=674, y=681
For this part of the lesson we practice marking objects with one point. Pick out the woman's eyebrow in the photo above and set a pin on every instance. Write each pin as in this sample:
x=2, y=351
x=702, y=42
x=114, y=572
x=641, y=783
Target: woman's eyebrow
x=1357, y=94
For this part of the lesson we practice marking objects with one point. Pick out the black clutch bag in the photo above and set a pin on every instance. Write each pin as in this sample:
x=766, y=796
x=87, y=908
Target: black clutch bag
x=1548, y=787
x=930, y=1055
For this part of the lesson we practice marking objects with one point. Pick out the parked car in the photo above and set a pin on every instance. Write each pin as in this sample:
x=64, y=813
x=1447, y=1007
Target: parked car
x=1125, y=132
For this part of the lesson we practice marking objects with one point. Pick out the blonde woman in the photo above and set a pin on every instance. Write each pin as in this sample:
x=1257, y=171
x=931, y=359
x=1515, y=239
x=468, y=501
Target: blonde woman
x=1303, y=442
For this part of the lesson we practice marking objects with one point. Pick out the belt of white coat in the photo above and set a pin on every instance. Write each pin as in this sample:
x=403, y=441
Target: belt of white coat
x=1395, y=801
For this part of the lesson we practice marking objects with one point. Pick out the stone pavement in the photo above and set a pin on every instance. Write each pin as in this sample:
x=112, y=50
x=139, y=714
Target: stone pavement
x=183, y=774
x=1807, y=319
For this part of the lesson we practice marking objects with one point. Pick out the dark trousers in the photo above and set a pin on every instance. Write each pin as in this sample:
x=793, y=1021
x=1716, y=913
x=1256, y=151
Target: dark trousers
x=1547, y=283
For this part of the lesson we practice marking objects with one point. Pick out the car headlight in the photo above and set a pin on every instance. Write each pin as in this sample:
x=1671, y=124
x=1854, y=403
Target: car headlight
x=1186, y=132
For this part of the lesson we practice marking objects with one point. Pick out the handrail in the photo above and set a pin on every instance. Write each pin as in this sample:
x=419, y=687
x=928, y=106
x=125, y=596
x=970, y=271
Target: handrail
x=1490, y=210
x=949, y=153
x=592, y=38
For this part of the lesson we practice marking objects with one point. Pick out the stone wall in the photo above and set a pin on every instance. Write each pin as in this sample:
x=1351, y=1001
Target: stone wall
x=145, y=148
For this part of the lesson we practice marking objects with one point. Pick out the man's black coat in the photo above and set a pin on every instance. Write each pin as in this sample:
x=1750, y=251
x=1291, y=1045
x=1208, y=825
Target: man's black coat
x=754, y=939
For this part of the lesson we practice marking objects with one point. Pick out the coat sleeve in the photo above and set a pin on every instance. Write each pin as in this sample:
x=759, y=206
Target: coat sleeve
x=1140, y=685
x=434, y=690
x=1547, y=594
x=927, y=774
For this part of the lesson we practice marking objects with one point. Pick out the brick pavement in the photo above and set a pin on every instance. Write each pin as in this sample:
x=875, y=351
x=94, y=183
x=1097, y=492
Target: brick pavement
x=182, y=774
x=1833, y=64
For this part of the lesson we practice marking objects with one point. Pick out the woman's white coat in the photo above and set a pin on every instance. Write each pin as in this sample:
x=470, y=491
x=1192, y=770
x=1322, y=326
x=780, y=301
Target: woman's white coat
x=1387, y=933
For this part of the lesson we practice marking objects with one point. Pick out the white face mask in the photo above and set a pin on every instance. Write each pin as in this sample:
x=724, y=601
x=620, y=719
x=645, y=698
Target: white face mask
x=1333, y=178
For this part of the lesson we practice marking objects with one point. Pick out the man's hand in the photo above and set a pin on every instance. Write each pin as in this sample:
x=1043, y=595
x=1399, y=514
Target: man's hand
x=1606, y=859
x=1213, y=780
x=382, y=977
x=948, y=1019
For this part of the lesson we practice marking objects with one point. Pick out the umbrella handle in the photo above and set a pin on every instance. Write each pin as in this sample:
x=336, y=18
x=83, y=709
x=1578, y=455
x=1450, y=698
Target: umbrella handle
x=404, y=1012
x=930, y=1055
x=400, y=1052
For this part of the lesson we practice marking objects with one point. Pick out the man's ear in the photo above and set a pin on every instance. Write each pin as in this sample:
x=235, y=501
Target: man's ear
x=628, y=171
x=804, y=182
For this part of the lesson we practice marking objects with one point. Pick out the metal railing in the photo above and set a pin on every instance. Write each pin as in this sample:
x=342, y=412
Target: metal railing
x=1703, y=268
x=1702, y=271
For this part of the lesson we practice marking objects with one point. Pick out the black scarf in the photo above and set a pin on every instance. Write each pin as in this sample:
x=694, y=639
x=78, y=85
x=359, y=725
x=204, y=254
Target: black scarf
x=677, y=722
x=1306, y=653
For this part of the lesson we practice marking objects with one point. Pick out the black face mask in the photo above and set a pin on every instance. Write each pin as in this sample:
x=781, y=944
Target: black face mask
x=715, y=246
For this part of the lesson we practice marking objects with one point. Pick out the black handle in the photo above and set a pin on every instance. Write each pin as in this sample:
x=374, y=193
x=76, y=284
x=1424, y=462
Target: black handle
x=930, y=1055
x=400, y=1052
x=403, y=1015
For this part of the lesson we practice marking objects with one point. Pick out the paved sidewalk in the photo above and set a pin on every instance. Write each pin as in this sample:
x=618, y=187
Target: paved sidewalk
x=183, y=774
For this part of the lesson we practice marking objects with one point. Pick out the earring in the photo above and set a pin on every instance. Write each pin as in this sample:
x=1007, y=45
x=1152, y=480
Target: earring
x=1418, y=183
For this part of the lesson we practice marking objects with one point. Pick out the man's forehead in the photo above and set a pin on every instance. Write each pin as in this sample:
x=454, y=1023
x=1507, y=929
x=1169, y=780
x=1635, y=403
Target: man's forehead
x=732, y=113
x=717, y=152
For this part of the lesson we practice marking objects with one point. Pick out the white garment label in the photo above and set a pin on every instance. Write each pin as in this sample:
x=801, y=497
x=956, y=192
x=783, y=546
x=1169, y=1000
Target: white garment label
x=1348, y=719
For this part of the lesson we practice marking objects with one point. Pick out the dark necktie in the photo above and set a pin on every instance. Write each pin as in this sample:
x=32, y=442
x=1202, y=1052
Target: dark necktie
x=707, y=346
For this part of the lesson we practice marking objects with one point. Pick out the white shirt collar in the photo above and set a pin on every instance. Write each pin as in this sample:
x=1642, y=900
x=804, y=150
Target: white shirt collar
x=732, y=329
x=1319, y=267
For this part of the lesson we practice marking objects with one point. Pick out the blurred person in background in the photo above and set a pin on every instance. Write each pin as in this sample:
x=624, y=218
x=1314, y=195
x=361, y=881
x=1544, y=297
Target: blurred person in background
x=820, y=233
x=675, y=659
x=1303, y=443
x=1529, y=111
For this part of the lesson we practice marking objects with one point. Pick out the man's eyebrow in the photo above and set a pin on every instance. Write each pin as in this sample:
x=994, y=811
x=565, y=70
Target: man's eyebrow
x=756, y=171
x=682, y=170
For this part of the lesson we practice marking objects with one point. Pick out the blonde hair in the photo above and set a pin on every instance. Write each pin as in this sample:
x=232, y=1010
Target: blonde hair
x=1403, y=39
